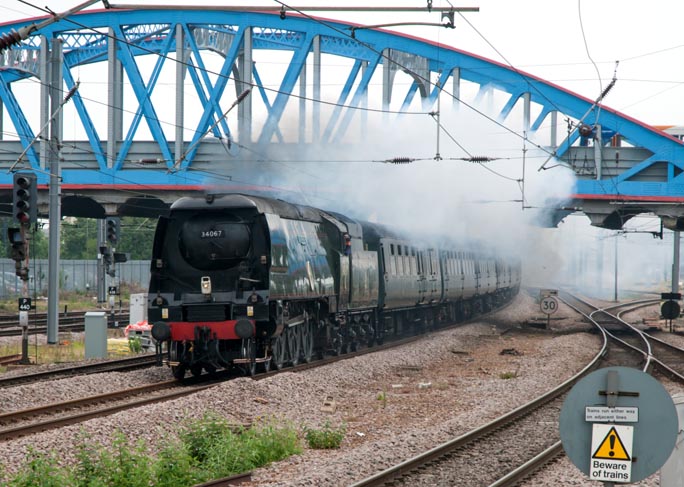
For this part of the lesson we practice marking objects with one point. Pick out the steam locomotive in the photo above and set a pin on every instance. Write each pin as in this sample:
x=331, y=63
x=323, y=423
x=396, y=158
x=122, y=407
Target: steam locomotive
x=246, y=281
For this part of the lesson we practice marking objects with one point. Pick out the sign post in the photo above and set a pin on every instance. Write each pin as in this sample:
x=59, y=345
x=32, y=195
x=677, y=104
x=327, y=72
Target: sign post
x=548, y=305
x=618, y=424
x=24, y=308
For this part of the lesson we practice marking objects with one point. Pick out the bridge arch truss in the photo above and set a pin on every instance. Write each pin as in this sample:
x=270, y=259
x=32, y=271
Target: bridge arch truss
x=156, y=105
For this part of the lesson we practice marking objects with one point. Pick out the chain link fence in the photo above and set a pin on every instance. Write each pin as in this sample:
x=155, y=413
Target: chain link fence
x=74, y=275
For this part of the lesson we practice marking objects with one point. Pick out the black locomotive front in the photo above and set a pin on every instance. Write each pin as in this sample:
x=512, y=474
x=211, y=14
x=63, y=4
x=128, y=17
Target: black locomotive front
x=208, y=295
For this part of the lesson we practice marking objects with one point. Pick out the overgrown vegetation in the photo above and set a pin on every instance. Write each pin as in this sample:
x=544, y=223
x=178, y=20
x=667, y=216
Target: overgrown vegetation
x=325, y=438
x=63, y=351
x=508, y=375
x=135, y=344
x=206, y=449
x=382, y=397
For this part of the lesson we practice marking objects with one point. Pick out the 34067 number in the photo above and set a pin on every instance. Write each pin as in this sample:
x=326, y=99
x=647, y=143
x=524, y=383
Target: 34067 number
x=211, y=234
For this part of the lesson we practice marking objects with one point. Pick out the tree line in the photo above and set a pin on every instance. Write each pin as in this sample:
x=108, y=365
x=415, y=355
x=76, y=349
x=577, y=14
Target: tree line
x=79, y=238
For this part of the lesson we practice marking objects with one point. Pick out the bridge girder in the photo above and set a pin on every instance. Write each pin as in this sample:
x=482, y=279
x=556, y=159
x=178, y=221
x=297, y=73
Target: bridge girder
x=644, y=172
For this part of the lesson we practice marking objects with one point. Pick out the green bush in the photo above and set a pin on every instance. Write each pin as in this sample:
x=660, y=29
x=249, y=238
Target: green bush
x=125, y=465
x=326, y=437
x=206, y=449
x=135, y=344
x=175, y=467
x=202, y=435
x=41, y=470
x=230, y=452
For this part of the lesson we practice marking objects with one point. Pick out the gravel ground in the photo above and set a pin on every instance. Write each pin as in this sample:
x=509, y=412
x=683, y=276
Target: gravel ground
x=441, y=387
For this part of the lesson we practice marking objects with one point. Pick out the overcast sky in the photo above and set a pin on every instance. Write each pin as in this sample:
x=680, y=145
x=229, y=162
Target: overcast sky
x=541, y=37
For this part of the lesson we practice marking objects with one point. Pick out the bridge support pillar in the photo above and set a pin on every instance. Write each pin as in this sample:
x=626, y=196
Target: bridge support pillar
x=316, y=120
x=245, y=66
x=114, y=100
x=302, y=105
x=181, y=69
x=456, y=87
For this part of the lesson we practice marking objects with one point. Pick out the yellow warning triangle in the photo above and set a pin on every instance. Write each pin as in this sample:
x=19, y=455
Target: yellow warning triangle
x=611, y=448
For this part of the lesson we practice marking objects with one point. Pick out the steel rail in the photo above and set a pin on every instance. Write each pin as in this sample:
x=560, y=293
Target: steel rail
x=444, y=449
x=108, y=366
x=227, y=481
x=61, y=421
x=524, y=470
x=528, y=467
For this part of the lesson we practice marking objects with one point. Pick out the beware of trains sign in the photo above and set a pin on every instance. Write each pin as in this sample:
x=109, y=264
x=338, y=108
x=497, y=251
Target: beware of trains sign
x=593, y=430
x=611, y=457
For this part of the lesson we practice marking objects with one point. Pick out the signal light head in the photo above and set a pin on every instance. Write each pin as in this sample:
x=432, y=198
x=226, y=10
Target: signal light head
x=23, y=182
x=25, y=198
x=112, y=230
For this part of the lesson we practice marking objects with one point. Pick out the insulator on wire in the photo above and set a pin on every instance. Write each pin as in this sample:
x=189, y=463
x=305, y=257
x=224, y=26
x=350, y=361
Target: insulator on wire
x=607, y=89
x=400, y=160
x=71, y=93
x=480, y=159
x=9, y=39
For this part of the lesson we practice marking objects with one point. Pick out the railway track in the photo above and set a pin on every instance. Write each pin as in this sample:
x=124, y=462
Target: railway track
x=529, y=432
x=52, y=416
x=15, y=424
x=546, y=409
x=119, y=365
x=10, y=359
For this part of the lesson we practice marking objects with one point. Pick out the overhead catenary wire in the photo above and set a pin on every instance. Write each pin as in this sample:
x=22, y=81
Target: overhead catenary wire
x=293, y=94
x=384, y=111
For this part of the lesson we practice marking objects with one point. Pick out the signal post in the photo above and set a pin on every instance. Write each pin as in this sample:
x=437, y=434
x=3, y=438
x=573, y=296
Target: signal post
x=25, y=213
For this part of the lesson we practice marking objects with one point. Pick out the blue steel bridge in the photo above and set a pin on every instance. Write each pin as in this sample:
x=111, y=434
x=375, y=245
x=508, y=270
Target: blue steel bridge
x=156, y=108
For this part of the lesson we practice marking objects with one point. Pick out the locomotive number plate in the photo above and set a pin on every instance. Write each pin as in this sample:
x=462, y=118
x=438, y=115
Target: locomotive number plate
x=211, y=234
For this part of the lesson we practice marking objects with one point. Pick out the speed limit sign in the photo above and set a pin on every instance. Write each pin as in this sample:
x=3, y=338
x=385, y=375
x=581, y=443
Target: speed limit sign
x=549, y=305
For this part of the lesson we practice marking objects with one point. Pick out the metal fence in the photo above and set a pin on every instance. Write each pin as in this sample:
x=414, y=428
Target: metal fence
x=74, y=275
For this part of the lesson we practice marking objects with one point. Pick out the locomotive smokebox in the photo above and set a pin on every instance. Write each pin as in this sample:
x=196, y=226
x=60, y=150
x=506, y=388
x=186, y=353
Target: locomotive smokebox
x=244, y=329
x=161, y=331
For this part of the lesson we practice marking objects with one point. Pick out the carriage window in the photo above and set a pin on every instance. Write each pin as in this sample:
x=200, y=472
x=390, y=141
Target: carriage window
x=391, y=249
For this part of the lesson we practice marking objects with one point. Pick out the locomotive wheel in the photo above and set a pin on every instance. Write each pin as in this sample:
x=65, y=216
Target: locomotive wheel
x=278, y=351
x=294, y=343
x=338, y=346
x=307, y=342
x=178, y=371
x=196, y=370
x=248, y=351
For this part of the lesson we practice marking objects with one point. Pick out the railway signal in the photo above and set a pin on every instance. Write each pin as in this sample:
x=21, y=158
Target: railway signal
x=113, y=228
x=18, y=251
x=25, y=198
